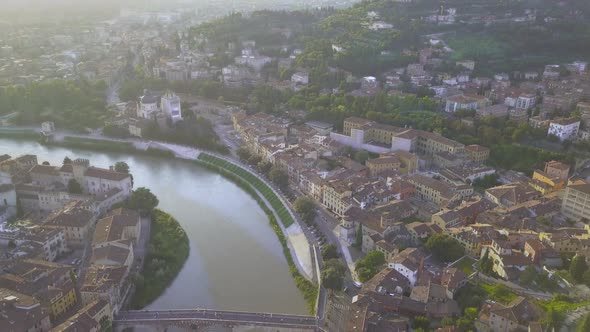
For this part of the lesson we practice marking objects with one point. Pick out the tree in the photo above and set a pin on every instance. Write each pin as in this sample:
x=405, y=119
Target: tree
x=74, y=187
x=444, y=248
x=528, y=275
x=143, y=200
x=331, y=279
x=577, y=268
x=361, y=156
x=330, y=251
x=333, y=274
x=421, y=322
x=121, y=167
x=105, y=324
x=584, y=325
x=279, y=177
x=46, y=163
x=370, y=265
x=243, y=153
x=447, y=321
x=306, y=208
x=358, y=242
x=67, y=160
x=554, y=319
x=264, y=167
x=20, y=212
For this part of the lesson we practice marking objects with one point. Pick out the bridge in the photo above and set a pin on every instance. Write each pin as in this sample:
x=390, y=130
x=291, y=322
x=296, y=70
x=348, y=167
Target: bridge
x=203, y=319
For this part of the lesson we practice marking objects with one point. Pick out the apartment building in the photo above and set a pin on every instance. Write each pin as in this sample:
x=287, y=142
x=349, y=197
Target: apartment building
x=433, y=190
x=25, y=312
x=576, y=201
x=75, y=220
x=477, y=153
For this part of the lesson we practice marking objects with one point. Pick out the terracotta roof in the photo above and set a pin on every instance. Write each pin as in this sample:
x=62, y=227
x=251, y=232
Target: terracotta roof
x=110, y=252
x=45, y=170
x=102, y=173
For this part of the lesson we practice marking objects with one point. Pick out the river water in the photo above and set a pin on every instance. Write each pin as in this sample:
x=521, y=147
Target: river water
x=235, y=262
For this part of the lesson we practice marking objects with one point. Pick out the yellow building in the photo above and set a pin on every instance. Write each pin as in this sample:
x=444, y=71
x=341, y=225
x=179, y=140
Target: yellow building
x=61, y=300
x=478, y=153
x=383, y=165
x=471, y=242
x=353, y=123
x=433, y=190
x=337, y=197
x=545, y=183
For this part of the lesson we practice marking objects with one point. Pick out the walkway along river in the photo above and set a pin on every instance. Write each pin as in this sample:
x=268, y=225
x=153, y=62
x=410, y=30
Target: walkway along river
x=235, y=261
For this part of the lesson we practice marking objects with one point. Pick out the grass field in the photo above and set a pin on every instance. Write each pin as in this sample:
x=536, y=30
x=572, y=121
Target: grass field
x=465, y=265
x=264, y=189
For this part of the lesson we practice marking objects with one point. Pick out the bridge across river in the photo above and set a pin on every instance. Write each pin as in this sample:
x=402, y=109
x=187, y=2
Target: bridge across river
x=202, y=319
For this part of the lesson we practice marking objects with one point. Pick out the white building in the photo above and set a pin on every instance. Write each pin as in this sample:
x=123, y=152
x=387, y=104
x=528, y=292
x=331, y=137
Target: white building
x=460, y=102
x=408, y=263
x=171, y=106
x=147, y=107
x=564, y=129
x=526, y=101
x=253, y=61
x=300, y=77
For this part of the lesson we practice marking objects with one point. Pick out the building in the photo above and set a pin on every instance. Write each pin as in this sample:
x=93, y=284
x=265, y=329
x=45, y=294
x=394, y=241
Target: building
x=433, y=190
x=510, y=194
x=171, y=106
x=507, y=263
x=94, y=180
x=300, y=77
x=518, y=315
x=408, y=263
x=20, y=312
x=52, y=240
x=50, y=283
x=104, y=283
x=400, y=161
x=546, y=183
x=496, y=111
x=557, y=169
x=465, y=102
x=576, y=201
x=147, y=107
x=477, y=153
x=88, y=319
x=75, y=220
x=564, y=129
x=119, y=224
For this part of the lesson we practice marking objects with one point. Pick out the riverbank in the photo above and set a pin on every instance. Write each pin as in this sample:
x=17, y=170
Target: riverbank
x=300, y=266
x=307, y=288
x=168, y=249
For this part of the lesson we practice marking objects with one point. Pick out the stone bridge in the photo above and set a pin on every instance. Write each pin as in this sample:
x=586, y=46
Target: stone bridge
x=204, y=319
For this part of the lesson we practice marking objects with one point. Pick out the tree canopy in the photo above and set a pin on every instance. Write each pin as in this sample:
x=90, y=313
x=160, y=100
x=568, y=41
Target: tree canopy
x=74, y=187
x=121, y=167
x=370, y=265
x=444, y=248
x=306, y=208
x=577, y=268
x=143, y=200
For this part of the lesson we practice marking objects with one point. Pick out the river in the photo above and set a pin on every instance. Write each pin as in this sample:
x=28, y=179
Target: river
x=235, y=262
